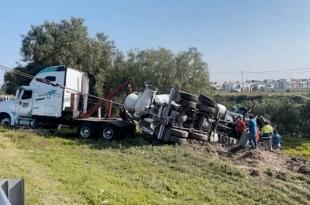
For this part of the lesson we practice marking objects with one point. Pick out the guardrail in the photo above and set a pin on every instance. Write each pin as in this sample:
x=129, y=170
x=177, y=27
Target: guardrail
x=12, y=192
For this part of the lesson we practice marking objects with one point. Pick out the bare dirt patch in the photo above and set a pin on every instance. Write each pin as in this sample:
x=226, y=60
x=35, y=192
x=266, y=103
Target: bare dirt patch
x=272, y=164
x=257, y=162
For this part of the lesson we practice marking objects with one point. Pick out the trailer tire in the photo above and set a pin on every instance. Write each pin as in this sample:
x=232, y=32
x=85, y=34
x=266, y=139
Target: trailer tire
x=207, y=101
x=178, y=133
x=198, y=136
x=86, y=130
x=206, y=109
x=177, y=140
x=188, y=104
x=108, y=132
x=5, y=120
x=166, y=137
x=188, y=97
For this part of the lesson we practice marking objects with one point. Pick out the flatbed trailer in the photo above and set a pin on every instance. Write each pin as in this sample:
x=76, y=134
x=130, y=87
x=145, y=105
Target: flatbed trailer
x=106, y=128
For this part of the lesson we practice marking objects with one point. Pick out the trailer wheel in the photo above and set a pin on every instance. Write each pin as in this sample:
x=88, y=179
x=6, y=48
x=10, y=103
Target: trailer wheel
x=198, y=136
x=188, y=104
x=207, y=101
x=205, y=108
x=108, y=132
x=177, y=140
x=178, y=133
x=86, y=130
x=188, y=96
x=5, y=120
x=166, y=137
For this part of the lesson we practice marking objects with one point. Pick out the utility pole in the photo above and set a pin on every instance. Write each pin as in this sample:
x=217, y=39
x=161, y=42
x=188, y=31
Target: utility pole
x=242, y=81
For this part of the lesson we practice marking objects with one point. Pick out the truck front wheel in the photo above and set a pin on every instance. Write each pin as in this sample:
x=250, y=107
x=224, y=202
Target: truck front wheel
x=86, y=130
x=5, y=120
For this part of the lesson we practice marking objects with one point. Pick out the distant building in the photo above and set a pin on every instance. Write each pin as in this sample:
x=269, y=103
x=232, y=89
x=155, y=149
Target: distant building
x=299, y=84
x=231, y=86
x=266, y=85
x=282, y=85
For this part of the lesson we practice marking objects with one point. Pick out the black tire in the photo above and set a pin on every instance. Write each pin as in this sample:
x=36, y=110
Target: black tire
x=207, y=101
x=198, y=136
x=5, y=120
x=178, y=133
x=86, y=130
x=177, y=140
x=166, y=136
x=188, y=104
x=206, y=109
x=108, y=132
x=188, y=97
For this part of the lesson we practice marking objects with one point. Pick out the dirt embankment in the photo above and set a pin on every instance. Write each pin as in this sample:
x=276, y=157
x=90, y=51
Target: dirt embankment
x=270, y=163
x=258, y=162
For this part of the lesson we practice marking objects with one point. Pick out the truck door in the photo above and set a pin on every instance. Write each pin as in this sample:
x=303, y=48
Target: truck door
x=25, y=103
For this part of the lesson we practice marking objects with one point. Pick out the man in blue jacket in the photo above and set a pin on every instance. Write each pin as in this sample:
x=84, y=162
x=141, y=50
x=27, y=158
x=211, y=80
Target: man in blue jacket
x=252, y=132
x=276, y=140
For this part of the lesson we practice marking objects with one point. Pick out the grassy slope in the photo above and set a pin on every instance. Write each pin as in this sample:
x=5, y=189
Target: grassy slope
x=297, y=146
x=68, y=171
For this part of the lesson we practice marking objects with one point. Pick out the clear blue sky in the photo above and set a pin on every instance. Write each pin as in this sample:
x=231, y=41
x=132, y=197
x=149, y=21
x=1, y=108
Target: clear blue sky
x=232, y=35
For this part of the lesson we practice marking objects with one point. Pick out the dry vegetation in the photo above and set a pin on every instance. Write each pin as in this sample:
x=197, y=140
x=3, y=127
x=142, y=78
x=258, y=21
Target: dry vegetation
x=59, y=169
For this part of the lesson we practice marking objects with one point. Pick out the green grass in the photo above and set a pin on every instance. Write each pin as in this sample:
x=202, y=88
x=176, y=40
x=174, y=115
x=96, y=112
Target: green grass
x=60, y=170
x=297, y=146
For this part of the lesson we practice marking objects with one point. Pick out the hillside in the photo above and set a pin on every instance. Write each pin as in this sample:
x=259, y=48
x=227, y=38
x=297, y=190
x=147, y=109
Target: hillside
x=59, y=169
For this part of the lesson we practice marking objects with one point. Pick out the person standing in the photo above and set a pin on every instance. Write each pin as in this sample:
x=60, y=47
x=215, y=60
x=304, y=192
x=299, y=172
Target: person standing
x=252, y=132
x=240, y=127
x=276, y=140
x=267, y=135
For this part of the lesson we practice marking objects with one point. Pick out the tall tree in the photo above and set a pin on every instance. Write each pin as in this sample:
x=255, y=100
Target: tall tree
x=164, y=69
x=66, y=43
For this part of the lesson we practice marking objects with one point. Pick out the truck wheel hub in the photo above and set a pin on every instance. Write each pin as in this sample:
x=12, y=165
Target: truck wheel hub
x=107, y=133
x=85, y=132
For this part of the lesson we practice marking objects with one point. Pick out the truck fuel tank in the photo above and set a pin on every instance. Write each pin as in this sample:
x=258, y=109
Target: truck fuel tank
x=131, y=101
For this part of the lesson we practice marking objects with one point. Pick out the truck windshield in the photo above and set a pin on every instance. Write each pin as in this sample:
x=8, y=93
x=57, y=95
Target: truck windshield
x=27, y=94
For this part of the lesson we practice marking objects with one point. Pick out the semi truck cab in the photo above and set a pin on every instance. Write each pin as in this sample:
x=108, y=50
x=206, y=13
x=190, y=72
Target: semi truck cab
x=46, y=98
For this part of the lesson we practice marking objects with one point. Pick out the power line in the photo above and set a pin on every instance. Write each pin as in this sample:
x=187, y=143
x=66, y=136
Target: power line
x=294, y=70
x=62, y=87
x=285, y=70
x=16, y=71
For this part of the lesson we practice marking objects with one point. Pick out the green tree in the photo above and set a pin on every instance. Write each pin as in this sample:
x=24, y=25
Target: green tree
x=164, y=69
x=192, y=71
x=66, y=43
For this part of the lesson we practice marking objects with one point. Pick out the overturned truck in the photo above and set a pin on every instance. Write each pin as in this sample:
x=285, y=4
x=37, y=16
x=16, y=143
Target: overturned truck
x=177, y=116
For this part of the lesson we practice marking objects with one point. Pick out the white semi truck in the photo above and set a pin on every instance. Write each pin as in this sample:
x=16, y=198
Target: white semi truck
x=59, y=95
